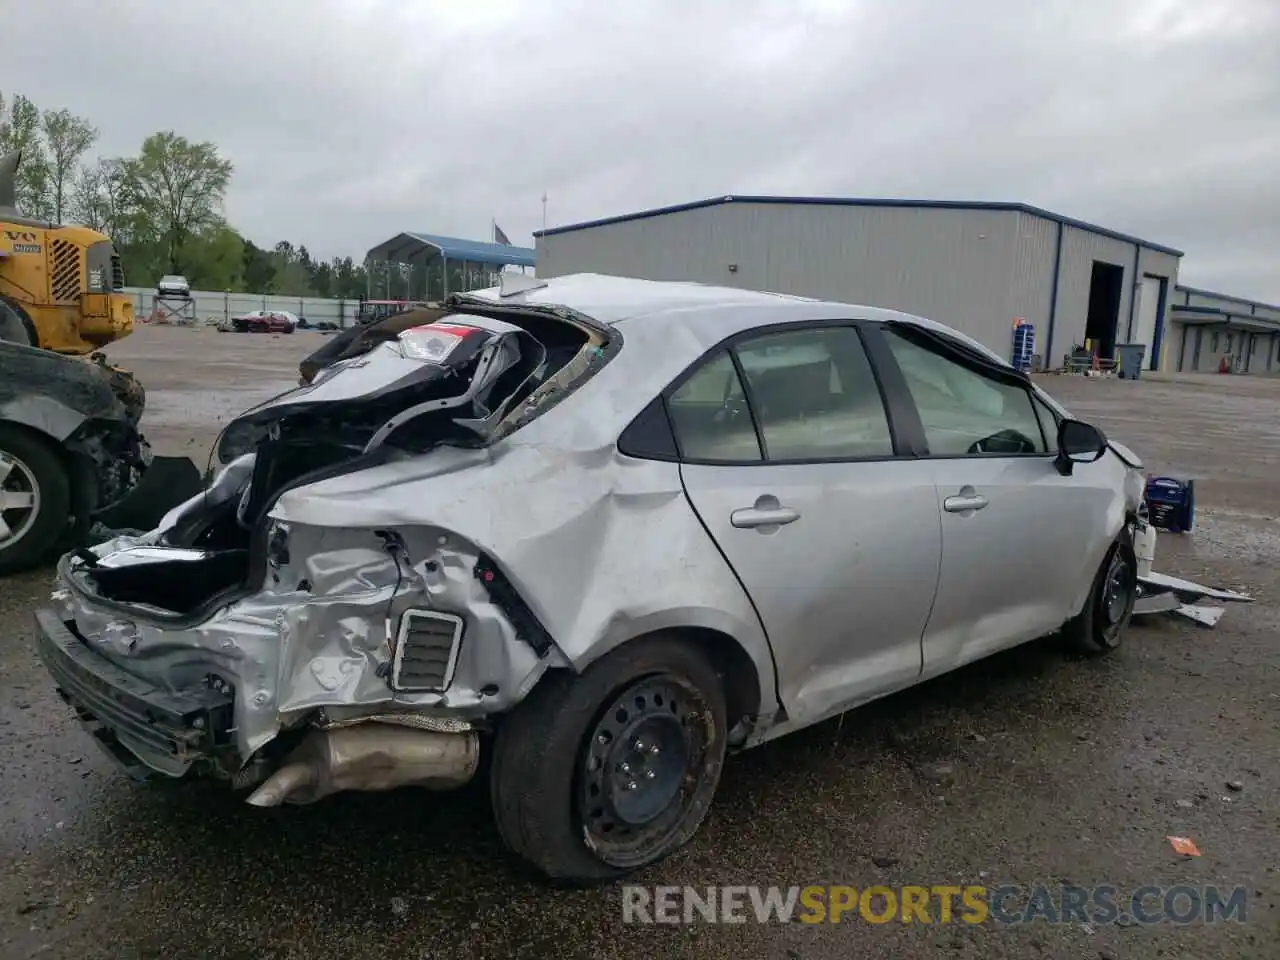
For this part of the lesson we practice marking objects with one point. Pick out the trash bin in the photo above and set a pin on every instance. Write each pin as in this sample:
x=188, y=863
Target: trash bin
x=1129, y=357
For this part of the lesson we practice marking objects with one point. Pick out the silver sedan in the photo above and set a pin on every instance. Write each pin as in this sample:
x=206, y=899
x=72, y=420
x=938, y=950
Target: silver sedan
x=606, y=530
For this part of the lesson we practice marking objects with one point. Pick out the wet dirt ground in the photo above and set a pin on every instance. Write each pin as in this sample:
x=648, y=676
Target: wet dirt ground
x=1031, y=767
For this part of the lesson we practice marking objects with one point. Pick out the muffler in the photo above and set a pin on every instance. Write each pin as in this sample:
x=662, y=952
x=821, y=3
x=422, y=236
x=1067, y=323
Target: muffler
x=370, y=756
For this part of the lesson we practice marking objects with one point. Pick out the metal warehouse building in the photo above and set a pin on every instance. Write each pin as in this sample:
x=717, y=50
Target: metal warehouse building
x=1207, y=329
x=974, y=266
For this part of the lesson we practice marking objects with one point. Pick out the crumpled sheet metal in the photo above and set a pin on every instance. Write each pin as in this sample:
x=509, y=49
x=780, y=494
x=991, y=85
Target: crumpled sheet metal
x=53, y=393
x=289, y=652
x=601, y=548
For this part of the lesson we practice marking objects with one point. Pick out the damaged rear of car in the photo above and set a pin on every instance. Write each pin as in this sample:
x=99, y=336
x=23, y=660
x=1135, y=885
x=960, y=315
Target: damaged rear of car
x=281, y=641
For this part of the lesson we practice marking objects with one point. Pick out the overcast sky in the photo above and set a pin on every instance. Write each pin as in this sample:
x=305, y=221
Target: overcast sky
x=351, y=120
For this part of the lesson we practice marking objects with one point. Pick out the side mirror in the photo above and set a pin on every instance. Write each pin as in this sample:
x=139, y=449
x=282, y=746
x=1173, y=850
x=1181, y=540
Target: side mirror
x=1078, y=442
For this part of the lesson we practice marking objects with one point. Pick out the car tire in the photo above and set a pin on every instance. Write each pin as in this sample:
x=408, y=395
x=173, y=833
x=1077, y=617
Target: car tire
x=600, y=774
x=30, y=466
x=1099, y=628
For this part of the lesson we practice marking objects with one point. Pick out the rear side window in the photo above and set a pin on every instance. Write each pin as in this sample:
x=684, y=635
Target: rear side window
x=710, y=416
x=809, y=394
x=815, y=395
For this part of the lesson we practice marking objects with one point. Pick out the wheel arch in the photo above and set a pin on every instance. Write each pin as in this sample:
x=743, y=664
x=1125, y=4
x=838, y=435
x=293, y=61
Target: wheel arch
x=24, y=319
x=749, y=683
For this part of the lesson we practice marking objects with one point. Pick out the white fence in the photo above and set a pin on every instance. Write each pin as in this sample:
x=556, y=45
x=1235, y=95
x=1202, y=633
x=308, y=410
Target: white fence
x=211, y=305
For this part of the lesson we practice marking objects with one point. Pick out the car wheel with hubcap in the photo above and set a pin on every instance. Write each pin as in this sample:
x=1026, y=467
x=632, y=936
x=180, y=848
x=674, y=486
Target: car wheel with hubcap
x=35, y=499
x=1099, y=627
x=600, y=774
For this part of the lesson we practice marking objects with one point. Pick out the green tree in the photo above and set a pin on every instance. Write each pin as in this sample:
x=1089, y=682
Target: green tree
x=68, y=138
x=259, y=271
x=20, y=130
x=215, y=260
x=177, y=189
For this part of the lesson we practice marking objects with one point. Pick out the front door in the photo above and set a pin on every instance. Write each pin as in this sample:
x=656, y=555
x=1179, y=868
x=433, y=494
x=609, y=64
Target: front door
x=836, y=540
x=1018, y=538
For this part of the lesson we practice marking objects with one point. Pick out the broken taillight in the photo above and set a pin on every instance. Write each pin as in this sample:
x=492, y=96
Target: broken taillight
x=434, y=342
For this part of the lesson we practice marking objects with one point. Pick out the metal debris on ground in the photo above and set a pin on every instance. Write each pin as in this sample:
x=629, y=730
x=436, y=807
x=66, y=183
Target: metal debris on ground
x=1162, y=593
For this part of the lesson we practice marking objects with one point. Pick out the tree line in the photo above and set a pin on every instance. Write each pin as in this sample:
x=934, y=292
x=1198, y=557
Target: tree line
x=163, y=209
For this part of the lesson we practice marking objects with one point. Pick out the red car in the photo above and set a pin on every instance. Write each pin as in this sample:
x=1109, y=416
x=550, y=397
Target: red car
x=264, y=321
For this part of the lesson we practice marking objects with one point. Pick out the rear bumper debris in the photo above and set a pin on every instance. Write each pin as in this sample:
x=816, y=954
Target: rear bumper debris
x=167, y=733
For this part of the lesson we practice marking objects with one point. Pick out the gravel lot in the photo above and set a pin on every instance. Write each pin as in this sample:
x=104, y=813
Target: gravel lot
x=1031, y=767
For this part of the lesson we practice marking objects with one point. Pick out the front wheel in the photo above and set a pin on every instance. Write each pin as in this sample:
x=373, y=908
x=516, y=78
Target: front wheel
x=1099, y=627
x=35, y=499
x=600, y=774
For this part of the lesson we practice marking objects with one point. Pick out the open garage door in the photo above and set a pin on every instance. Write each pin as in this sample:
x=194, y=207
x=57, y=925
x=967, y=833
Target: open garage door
x=1150, y=298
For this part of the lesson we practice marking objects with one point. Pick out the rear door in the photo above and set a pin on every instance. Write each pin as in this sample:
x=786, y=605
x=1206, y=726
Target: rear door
x=789, y=458
x=1018, y=538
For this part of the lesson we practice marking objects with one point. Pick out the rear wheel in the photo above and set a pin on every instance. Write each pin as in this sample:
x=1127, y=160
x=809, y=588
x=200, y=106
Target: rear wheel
x=597, y=775
x=1099, y=627
x=35, y=499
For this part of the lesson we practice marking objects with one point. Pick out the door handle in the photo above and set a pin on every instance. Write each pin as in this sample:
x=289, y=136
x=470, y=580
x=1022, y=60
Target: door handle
x=966, y=501
x=767, y=512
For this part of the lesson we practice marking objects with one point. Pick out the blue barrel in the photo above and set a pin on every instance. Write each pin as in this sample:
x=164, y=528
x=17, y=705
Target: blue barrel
x=1171, y=504
x=1024, y=346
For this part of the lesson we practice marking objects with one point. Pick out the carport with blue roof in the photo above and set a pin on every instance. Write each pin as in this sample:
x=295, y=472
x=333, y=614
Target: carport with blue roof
x=433, y=266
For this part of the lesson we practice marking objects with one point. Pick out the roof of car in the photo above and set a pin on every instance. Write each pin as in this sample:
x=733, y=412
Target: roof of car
x=610, y=300
x=623, y=300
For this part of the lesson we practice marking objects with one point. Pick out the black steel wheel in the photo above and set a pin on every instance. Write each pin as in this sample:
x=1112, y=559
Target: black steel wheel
x=639, y=771
x=600, y=774
x=1099, y=627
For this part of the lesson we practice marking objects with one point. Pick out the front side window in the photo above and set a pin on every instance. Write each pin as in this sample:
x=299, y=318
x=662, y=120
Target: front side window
x=815, y=395
x=1048, y=421
x=965, y=413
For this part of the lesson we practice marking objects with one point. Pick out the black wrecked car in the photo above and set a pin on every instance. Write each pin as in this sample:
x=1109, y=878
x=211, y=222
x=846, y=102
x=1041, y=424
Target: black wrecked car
x=71, y=454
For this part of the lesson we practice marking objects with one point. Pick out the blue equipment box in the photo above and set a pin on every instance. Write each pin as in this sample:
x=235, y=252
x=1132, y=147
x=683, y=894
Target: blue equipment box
x=1171, y=504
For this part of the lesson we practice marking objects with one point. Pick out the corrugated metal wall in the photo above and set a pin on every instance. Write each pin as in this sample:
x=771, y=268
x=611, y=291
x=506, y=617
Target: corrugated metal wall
x=212, y=305
x=1218, y=342
x=950, y=265
x=1225, y=340
x=975, y=270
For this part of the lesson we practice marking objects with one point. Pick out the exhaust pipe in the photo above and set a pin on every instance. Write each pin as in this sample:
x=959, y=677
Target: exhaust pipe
x=370, y=756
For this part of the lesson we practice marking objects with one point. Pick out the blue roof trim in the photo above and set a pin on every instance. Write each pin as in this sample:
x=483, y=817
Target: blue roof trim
x=473, y=251
x=868, y=202
x=1226, y=296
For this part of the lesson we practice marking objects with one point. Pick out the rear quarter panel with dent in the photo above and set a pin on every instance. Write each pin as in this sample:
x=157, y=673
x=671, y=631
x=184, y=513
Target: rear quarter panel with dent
x=603, y=548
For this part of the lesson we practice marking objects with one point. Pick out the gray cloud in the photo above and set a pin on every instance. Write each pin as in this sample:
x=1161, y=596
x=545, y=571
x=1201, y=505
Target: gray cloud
x=350, y=121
